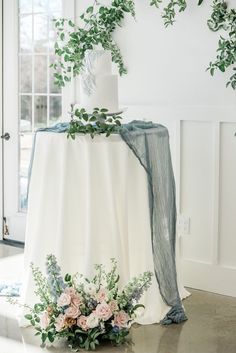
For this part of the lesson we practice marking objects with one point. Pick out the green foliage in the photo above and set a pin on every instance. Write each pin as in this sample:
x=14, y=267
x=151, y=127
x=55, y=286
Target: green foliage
x=94, y=124
x=98, y=24
x=222, y=18
x=88, y=341
x=133, y=291
x=42, y=288
x=169, y=10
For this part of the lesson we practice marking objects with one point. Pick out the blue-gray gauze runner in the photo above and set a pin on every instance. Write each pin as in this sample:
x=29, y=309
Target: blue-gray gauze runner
x=150, y=144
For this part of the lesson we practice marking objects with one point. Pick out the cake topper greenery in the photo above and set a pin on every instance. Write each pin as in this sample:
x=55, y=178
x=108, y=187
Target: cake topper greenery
x=98, y=23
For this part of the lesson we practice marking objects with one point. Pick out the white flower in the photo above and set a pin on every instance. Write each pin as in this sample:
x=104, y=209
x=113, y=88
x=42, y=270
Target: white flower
x=92, y=321
x=139, y=312
x=90, y=288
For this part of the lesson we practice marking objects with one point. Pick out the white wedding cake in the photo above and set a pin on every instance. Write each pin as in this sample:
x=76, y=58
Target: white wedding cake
x=98, y=86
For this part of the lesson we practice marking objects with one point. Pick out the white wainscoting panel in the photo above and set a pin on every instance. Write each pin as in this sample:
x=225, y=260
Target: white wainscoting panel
x=196, y=185
x=207, y=162
x=227, y=206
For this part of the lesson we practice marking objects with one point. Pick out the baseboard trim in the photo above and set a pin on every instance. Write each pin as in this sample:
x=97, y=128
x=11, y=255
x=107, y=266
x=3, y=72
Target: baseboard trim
x=14, y=243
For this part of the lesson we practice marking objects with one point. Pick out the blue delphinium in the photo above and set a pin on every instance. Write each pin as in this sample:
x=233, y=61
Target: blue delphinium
x=137, y=294
x=134, y=290
x=54, y=277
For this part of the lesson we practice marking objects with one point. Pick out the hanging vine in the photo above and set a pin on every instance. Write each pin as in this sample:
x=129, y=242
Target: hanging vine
x=222, y=19
x=99, y=22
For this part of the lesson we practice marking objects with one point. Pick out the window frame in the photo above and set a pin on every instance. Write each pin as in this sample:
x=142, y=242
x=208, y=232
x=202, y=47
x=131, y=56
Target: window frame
x=16, y=219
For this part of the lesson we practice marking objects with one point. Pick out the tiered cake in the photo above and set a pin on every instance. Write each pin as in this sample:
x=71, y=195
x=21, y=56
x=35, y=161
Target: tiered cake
x=98, y=86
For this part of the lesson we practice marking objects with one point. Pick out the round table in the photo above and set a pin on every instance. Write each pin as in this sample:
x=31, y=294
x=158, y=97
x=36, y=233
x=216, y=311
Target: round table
x=88, y=203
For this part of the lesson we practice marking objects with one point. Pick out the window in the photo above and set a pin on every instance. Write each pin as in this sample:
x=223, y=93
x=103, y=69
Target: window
x=40, y=101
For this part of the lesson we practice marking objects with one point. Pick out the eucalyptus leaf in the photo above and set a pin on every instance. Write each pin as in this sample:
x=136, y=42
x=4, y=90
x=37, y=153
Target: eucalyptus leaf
x=28, y=317
x=94, y=124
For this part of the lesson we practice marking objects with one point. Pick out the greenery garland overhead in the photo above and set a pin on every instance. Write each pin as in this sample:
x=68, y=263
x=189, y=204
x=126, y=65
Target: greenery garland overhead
x=99, y=22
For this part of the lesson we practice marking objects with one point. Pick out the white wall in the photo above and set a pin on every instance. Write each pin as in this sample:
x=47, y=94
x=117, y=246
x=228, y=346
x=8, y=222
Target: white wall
x=167, y=66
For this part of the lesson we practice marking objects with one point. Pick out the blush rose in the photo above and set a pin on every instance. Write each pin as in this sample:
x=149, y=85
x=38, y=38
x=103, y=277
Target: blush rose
x=72, y=312
x=45, y=320
x=82, y=322
x=64, y=299
x=121, y=319
x=60, y=322
x=103, y=311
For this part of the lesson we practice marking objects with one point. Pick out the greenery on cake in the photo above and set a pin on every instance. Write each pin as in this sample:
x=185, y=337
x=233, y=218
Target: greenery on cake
x=222, y=19
x=99, y=122
x=98, y=24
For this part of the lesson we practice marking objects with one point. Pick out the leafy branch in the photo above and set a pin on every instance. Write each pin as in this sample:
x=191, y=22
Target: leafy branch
x=222, y=19
x=99, y=22
x=98, y=25
x=169, y=11
x=94, y=124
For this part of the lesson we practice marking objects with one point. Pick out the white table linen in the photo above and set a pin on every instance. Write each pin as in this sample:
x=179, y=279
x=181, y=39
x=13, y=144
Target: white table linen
x=88, y=202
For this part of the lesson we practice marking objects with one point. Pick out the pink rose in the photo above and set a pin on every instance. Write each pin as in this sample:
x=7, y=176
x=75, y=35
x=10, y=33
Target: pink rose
x=103, y=311
x=101, y=296
x=121, y=319
x=64, y=299
x=44, y=320
x=60, y=322
x=70, y=291
x=113, y=305
x=82, y=322
x=72, y=312
x=76, y=300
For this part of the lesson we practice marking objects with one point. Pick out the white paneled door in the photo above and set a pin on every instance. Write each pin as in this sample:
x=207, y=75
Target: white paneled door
x=30, y=98
x=208, y=199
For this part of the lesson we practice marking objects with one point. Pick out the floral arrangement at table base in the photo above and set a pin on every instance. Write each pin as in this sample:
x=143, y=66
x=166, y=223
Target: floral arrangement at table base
x=84, y=311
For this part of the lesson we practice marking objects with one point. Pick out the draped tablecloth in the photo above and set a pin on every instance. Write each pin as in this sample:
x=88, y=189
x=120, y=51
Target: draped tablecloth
x=88, y=203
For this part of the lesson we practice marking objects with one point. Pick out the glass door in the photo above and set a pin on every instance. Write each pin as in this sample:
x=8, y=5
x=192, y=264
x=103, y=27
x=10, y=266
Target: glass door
x=39, y=99
x=31, y=100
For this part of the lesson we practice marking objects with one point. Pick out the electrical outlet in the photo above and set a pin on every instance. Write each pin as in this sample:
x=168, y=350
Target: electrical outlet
x=183, y=225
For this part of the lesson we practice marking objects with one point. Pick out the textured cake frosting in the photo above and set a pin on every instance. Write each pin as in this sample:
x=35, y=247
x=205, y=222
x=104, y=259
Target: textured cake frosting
x=98, y=86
